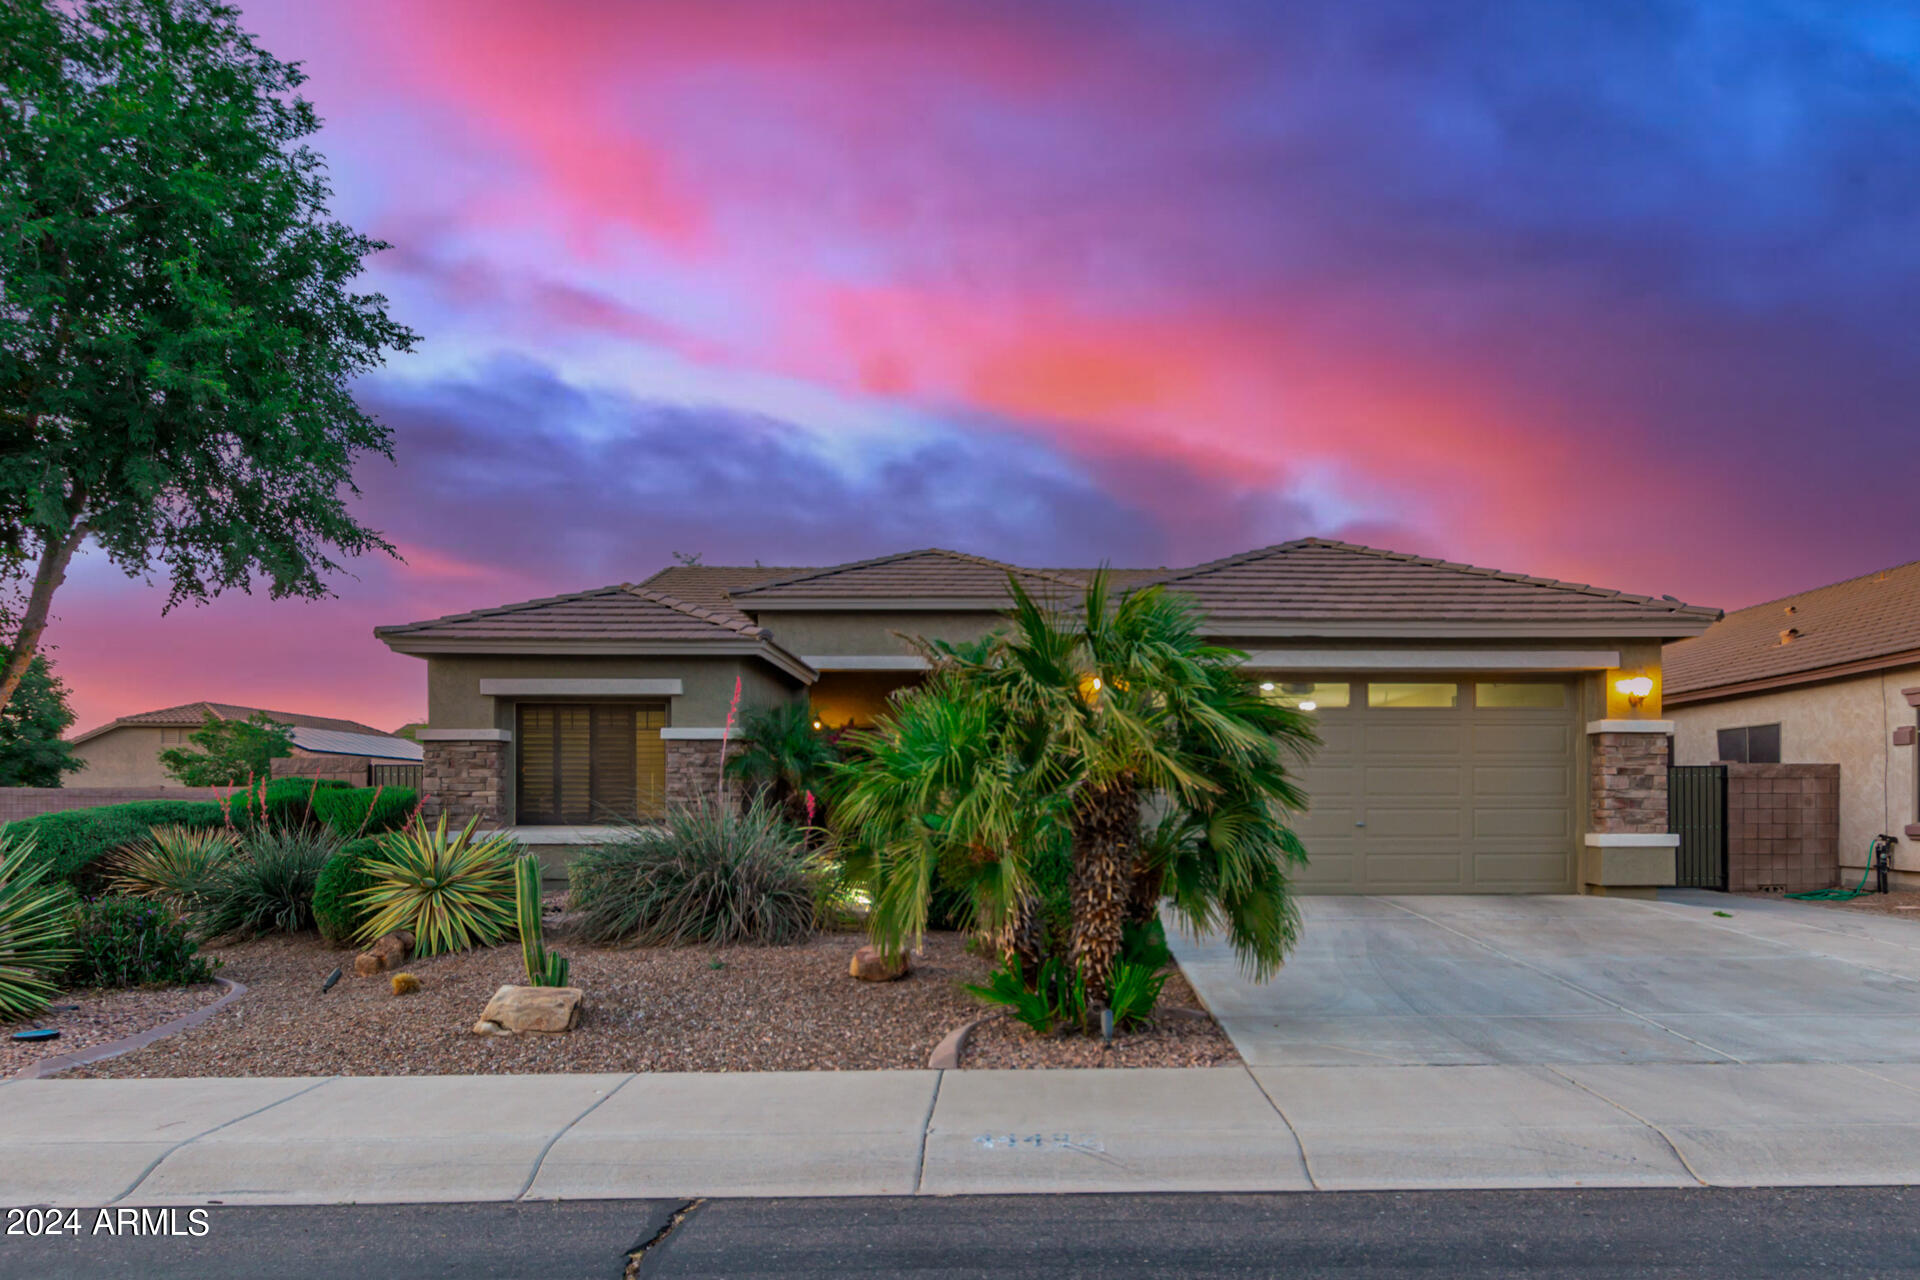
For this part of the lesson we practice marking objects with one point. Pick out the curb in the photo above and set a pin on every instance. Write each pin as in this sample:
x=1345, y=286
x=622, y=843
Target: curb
x=946, y=1055
x=114, y=1048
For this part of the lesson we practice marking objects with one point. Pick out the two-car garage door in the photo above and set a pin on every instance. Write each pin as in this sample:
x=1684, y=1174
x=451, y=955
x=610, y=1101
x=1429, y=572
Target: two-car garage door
x=1439, y=786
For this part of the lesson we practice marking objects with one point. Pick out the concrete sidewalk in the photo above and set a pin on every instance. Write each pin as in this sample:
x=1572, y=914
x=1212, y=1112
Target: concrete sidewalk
x=499, y=1138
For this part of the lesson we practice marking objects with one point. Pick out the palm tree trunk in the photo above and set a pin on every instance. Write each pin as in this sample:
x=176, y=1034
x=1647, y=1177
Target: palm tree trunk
x=1106, y=833
x=1146, y=884
x=1026, y=942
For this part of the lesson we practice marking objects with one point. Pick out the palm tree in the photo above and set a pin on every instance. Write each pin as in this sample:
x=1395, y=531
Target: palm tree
x=783, y=757
x=1060, y=728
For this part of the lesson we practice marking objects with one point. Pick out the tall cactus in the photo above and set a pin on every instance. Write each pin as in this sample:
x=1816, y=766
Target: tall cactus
x=544, y=969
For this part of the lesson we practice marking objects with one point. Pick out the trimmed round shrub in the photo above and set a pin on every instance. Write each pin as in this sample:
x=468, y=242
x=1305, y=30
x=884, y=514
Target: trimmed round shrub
x=74, y=841
x=365, y=811
x=132, y=942
x=706, y=875
x=268, y=887
x=343, y=876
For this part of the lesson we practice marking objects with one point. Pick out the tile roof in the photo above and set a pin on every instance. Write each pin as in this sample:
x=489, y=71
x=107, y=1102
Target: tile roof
x=627, y=612
x=931, y=573
x=1318, y=581
x=709, y=584
x=1852, y=625
x=193, y=714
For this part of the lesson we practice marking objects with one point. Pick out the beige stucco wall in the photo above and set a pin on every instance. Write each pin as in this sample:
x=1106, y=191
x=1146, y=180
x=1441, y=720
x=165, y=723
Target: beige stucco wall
x=125, y=757
x=1845, y=722
x=454, y=700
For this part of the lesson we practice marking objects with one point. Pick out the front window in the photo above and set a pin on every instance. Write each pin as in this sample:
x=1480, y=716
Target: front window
x=1752, y=744
x=583, y=763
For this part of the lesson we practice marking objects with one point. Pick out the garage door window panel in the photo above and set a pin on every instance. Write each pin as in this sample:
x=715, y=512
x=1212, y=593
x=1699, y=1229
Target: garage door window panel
x=1519, y=694
x=1308, y=695
x=1412, y=696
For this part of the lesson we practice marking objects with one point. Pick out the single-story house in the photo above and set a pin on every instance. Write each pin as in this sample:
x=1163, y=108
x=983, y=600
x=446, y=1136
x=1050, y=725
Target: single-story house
x=126, y=752
x=1483, y=731
x=1829, y=676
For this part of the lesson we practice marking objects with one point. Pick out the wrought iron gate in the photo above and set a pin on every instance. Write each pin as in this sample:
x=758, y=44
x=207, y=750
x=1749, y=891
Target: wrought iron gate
x=1697, y=813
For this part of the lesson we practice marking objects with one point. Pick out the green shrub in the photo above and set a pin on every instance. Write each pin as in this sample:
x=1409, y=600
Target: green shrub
x=1059, y=996
x=172, y=865
x=449, y=893
x=36, y=929
x=365, y=811
x=72, y=843
x=340, y=879
x=706, y=875
x=132, y=942
x=1133, y=991
x=268, y=887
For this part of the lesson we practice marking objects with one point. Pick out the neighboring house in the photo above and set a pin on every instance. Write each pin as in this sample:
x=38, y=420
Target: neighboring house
x=1829, y=676
x=126, y=752
x=1484, y=731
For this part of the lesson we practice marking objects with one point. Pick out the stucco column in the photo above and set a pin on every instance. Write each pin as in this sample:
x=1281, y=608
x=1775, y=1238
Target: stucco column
x=1628, y=850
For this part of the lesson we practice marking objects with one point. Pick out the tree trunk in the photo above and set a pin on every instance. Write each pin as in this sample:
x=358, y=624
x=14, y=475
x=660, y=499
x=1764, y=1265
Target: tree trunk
x=1026, y=942
x=1106, y=832
x=47, y=577
x=1146, y=884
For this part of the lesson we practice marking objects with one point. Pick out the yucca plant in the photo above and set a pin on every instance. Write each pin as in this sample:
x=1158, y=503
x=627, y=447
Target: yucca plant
x=544, y=968
x=267, y=887
x=36, y=930
x=450, y=893
x=173, y=864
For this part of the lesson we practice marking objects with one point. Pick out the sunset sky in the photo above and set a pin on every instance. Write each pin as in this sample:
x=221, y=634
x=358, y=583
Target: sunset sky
x=1622, y=292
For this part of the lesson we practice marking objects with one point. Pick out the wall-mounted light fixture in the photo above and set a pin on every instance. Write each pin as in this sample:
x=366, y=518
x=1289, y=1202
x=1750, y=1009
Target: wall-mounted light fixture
x=1636, y=688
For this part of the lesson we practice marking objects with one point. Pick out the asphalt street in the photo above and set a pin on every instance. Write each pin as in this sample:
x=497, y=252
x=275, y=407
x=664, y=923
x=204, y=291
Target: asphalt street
x=1707, y=1232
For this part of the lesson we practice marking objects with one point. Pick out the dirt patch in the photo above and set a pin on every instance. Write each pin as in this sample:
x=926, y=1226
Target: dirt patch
x=649, y=1009
x=1182, y=1035
x=88, y=1017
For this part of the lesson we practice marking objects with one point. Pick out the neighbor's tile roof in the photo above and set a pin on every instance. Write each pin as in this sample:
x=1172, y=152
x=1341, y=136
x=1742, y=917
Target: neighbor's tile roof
x=929, y=574
x=1875, y=616
x=1318, y=580
x=194, y=714
x=627, y=612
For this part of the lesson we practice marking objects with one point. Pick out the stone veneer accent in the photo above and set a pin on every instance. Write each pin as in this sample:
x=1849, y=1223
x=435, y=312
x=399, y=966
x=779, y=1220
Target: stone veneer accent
x=1627, y=780
x=1783, y=827
x=464, y=779
x=693, y=771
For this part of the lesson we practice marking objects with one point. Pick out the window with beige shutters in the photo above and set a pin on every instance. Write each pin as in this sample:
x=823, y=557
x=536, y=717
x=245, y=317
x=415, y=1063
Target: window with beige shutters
x=582, y=763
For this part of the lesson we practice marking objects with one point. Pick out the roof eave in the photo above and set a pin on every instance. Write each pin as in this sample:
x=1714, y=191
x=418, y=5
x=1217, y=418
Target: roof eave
x=742, y=646
x=1663, y=629
x=1790, y=679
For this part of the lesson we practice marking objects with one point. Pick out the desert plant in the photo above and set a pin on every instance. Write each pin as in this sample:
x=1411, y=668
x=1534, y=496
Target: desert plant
x=134, y=942
x=354, y=812
x=334, y=912
x=171, y=865
x=450, y=893
x=544, y=968
x=783, y=759
x=1056, y=997
x=1134, y=992
x=707, y=874
x=36, y=929
x=268, y=886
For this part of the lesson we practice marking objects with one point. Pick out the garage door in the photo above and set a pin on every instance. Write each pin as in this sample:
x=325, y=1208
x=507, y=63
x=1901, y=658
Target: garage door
x=1438, y=786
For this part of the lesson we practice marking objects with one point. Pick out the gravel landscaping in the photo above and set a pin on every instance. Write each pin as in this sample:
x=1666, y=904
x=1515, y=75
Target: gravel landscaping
x=1173, y=1041
x=86, y=1018
x=788, y=1008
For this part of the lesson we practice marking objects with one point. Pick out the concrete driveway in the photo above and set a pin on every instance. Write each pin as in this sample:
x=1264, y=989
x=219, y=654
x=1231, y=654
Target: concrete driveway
x=1439, y=981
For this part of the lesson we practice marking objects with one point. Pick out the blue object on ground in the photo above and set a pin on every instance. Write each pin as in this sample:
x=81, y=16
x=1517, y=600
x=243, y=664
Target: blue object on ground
x=38, y=1033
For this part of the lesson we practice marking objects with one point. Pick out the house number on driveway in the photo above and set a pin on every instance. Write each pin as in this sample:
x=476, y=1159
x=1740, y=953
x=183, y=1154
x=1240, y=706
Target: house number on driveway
x=1040, y=1142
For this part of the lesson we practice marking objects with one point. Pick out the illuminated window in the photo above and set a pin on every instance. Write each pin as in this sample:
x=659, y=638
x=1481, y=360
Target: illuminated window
x=1306, y=695
x=1413, y=695
x=1533, y=693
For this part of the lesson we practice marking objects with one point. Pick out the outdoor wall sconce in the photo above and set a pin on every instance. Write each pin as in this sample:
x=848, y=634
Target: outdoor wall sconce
x=1636, y=689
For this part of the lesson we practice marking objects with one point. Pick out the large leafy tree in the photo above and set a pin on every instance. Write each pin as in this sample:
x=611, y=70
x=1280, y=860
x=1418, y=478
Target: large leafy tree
x=32, y=752
x=178, y=326
x=1063, y=727
x=227, y=753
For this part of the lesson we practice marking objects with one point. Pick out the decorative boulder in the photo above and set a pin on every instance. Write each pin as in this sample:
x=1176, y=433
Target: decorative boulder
x=514, y=1010
x=870, y=964
x=388, y=953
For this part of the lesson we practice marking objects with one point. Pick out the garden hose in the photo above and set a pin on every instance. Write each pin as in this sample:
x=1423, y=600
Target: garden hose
x=1846, y=895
